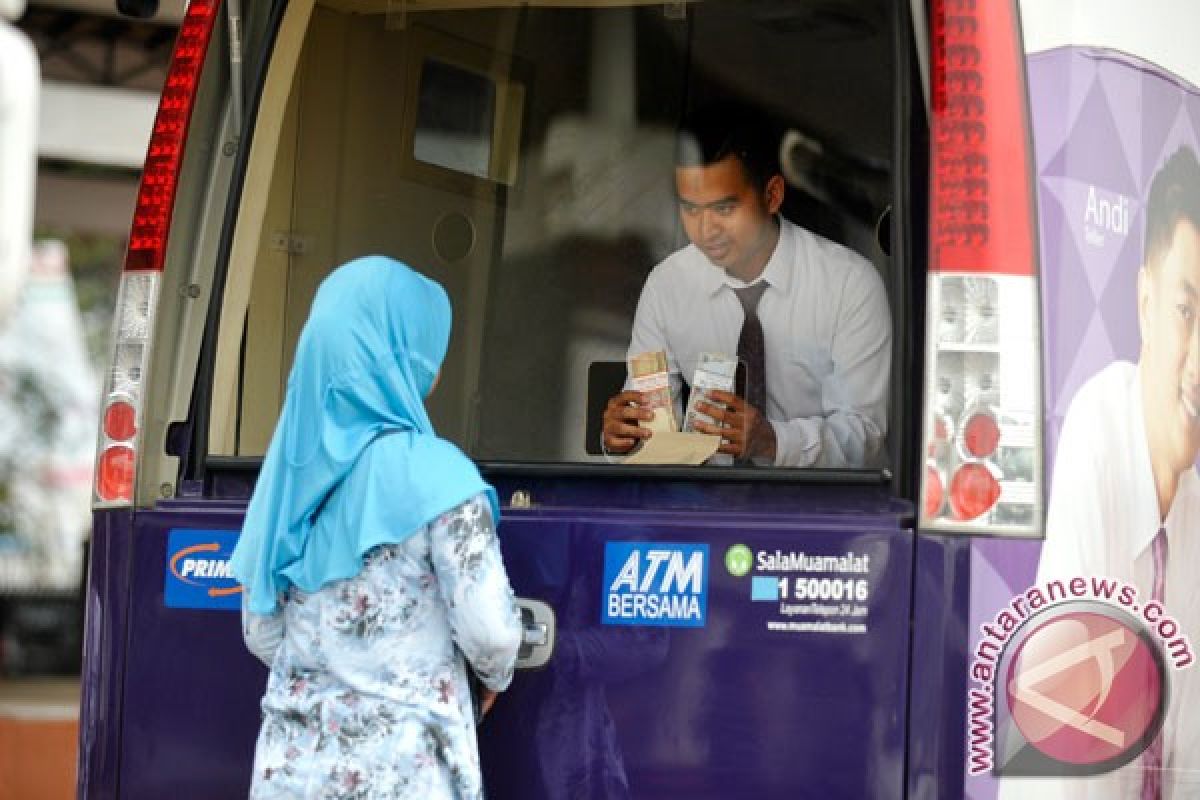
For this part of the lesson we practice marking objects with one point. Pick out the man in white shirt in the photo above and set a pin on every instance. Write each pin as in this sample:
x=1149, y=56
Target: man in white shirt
x=1125, y=470
x=819, y=313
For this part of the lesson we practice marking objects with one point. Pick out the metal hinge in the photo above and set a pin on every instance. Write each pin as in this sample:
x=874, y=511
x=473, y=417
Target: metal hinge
x=293, y=244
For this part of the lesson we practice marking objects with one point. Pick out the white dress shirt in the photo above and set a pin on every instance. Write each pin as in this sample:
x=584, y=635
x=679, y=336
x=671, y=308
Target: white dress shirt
x=1102, y=520
x=827, y=328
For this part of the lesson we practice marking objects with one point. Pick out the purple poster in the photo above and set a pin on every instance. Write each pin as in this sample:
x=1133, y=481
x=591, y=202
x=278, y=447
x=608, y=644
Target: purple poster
x=1082, y=678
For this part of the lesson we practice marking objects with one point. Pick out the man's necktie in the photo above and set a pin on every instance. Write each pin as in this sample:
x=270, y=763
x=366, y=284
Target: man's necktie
x=1152, y=759
x=751, y=349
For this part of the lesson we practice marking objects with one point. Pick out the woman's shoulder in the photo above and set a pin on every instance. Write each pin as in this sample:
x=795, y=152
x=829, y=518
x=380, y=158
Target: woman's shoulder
x=434, y=466
x=423, y=451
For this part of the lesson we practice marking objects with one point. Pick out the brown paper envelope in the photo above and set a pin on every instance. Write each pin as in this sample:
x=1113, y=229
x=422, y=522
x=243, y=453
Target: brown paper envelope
x=673, y=447
x=662, y=422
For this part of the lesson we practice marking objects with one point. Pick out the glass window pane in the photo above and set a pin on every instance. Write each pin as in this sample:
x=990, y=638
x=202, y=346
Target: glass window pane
x=547, y=264
x=455, y=119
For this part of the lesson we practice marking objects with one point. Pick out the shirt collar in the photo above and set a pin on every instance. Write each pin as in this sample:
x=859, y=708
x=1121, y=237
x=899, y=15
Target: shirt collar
x=777, y=273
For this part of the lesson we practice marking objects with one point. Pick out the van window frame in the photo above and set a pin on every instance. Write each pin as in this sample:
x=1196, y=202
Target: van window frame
x=909, y=239
x=202, y=474
x=189, y=440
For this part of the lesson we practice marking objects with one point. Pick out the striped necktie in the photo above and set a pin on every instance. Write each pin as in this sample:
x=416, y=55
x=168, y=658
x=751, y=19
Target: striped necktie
x=751, y=349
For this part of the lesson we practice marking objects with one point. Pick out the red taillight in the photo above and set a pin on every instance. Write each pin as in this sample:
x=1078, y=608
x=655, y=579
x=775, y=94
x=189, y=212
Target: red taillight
x=114, y=473
x=981, y=213
x=943, y=434
x=120, y=420
x=983, y=363
x=973, y=491
x=133, y=322
x=935, y=491
x=137, y=298
x=156, y=195
x=980, y=434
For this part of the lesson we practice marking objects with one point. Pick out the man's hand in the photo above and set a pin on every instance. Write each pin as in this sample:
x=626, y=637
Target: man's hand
x=745, y=433
x=487, y=698
x=621, y=417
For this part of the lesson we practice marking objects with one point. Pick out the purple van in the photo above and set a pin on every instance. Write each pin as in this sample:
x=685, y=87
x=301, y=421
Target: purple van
x=715, y=631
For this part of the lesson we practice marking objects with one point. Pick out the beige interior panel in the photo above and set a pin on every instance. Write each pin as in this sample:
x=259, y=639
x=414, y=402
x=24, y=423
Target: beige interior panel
x=318, y=204
x=264, y=373
x=250, y=235
x=354, y=196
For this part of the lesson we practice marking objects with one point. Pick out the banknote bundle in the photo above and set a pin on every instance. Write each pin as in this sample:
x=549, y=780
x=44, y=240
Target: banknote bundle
x=715, y=371
x=648, y=374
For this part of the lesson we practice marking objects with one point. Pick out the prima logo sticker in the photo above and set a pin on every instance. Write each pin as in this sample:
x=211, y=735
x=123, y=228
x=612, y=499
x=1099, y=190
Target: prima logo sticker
x=197, y=570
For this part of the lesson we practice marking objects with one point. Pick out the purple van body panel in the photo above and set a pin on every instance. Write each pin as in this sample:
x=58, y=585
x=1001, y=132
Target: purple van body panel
x=938, y=688
x=171, y=707
x=106, y=606
x=727, y=710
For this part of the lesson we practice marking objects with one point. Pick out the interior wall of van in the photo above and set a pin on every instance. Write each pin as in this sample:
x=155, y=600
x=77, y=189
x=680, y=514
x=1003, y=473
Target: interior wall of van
x=339, y=190
x=259, y=261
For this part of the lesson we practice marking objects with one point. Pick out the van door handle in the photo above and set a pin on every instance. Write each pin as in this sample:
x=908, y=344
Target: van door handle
x=537, y=633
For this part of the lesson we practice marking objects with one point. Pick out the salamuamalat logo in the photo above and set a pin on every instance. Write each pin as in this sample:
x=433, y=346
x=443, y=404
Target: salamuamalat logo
x=1071, y=678
x=655, y=583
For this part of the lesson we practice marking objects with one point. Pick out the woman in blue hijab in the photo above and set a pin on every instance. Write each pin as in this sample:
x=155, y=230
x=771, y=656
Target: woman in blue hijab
x=369, y=559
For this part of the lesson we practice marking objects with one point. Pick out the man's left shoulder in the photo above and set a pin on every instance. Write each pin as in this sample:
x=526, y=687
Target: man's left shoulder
x=830, y=256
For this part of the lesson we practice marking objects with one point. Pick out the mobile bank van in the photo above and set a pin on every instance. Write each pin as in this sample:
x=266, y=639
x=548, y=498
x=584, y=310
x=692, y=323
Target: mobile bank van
x=823, y=633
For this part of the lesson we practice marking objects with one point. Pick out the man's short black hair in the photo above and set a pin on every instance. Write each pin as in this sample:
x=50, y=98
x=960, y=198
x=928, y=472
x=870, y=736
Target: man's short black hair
x=713, y=133
x=1174, y=198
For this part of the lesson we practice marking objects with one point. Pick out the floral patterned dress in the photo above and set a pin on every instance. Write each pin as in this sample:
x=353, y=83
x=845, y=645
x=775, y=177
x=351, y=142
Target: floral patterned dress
x=368, y=694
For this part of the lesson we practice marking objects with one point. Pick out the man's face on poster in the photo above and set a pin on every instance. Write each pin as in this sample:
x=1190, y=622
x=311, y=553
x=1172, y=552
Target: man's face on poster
x=1169, y=318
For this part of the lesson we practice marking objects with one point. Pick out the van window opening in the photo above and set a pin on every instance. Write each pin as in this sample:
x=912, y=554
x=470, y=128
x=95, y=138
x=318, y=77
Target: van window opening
x=524, y=158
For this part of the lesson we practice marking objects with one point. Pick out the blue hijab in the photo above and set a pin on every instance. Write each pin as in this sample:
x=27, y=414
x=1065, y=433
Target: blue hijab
x=354, y=461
